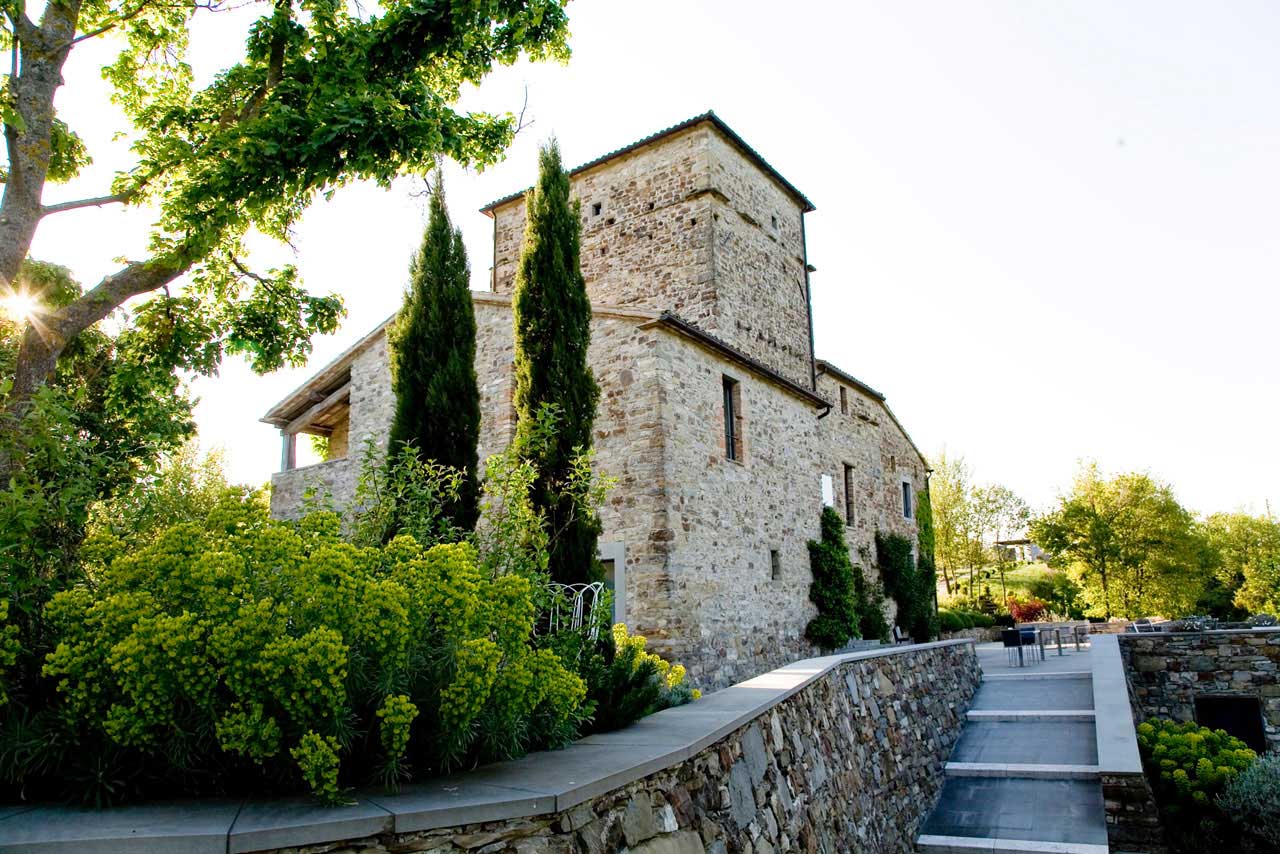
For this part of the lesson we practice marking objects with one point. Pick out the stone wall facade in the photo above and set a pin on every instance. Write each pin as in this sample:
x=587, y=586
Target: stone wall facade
x=713, y=549
x=691, y=224
x=1133, y=819
x=1168, y=670
x=851, y=762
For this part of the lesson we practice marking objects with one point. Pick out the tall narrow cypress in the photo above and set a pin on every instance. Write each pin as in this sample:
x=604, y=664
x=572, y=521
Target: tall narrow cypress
x=552, y=317
x=433, y=348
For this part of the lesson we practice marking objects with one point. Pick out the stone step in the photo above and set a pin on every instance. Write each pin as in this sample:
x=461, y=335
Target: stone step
x=977, y=813
x=1017, y=677
x=930, y=844
x=1028, y=742
x=1031, y=715
x=1028, y=695
x=1026, y=771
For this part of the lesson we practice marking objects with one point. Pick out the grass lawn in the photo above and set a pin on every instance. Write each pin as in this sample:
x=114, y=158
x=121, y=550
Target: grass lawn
x=1017, y=580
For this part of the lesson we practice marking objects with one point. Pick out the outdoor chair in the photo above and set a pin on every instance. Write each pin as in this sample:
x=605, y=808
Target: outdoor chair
x=1015, y=642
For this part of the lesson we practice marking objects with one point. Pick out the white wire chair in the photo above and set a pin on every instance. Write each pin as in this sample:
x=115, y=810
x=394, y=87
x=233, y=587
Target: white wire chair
x=577, y=605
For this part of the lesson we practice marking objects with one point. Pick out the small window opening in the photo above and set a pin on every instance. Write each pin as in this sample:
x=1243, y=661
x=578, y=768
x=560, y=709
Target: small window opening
x=610, y=221
x=828, y=491
x=693, y=221
x=732, y=419
x=650, y=205
x=908, y=511
x=774, y=219
x=775, y=565
x=603, y=249
x=596, y=208
x=848, y=494
x=844, y=401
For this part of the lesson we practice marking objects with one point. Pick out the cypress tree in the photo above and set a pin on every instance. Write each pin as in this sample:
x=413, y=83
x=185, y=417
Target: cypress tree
x=552, y=318
x=433, y=347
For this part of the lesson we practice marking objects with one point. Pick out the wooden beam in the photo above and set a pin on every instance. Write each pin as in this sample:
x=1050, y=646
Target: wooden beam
x=297, y=424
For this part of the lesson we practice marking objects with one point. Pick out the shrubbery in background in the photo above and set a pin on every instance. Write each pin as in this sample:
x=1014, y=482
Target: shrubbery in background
x=1189, y=766
x=1251, y=799
x=1026, y=610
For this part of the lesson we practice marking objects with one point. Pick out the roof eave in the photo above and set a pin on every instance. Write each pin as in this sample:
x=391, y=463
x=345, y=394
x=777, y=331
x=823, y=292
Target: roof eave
x=805, y=205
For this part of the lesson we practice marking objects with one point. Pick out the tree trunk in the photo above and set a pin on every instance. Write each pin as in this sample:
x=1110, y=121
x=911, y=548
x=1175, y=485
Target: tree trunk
x=43, y=51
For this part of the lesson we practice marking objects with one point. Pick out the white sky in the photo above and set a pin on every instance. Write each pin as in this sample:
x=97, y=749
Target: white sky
x=1047, y=231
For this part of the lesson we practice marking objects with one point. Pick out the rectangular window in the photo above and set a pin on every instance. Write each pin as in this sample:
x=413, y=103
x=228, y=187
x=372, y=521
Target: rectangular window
x=775, y=564
x=844, y=401
x=828, y=491
x=848, y=494
x=908, y=511
x=732, y=419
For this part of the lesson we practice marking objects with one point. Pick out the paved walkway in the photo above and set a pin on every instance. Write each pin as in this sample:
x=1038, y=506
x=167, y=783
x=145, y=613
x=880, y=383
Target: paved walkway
x=1023, y=778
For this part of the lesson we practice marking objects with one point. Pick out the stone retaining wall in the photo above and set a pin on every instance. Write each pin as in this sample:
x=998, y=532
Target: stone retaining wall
x=843, y=753
x=851, y=762
x=1168, y=670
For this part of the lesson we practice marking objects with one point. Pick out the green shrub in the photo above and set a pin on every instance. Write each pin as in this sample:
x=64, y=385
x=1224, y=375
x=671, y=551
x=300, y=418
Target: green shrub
x=212, y=657
x=1188, y=766
x=833, y=588
x=627, y=683
x=950, y=621
x=1251, y=799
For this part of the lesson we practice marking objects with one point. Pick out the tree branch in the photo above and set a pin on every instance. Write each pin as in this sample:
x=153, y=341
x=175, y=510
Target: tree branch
x=96, y=202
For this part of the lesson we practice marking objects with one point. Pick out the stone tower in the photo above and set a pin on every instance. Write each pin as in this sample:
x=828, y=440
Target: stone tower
x=690, y=220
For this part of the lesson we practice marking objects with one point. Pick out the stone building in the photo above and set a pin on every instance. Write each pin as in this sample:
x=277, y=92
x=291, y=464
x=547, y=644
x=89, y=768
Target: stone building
x=725, y=434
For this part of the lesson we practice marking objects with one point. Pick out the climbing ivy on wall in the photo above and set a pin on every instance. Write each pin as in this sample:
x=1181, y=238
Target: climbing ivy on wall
x=908, y=584
x=926, y=567
x=833, y=588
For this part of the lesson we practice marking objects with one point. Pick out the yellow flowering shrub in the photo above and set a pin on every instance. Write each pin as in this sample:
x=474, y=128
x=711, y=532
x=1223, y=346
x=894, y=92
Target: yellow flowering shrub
x=10, y=648
x=251, y=651
x=1189, y=766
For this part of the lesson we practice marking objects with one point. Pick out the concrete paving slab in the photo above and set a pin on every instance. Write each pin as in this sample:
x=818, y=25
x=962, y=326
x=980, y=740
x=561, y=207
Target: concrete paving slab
x=1054, y=694
x=1065, y=674
x=1115, y=733
x=301, y=821
x=192, y=827
x=1062, y=742
x=445, y=803
x=580, y=771
x=1030, y=772
x=1031, y=715
x=1004, y=809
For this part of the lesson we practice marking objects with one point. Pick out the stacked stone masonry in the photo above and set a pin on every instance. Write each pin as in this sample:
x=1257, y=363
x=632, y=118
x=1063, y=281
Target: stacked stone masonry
x=850, y=763
x=1167, y=671
x=686, y=224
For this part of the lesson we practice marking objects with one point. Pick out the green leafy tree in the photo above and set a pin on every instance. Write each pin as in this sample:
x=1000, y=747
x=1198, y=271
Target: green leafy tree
x=832, y=590
x=96, y=428
x=1248, y=552
x=1133, y=548
x=949, y=487
x=552, y=317
x=326, y=94
x=1006, y=513
x=433, y=350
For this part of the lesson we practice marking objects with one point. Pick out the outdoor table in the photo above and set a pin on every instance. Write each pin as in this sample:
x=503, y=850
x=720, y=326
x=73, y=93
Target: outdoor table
x=1056, y=632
